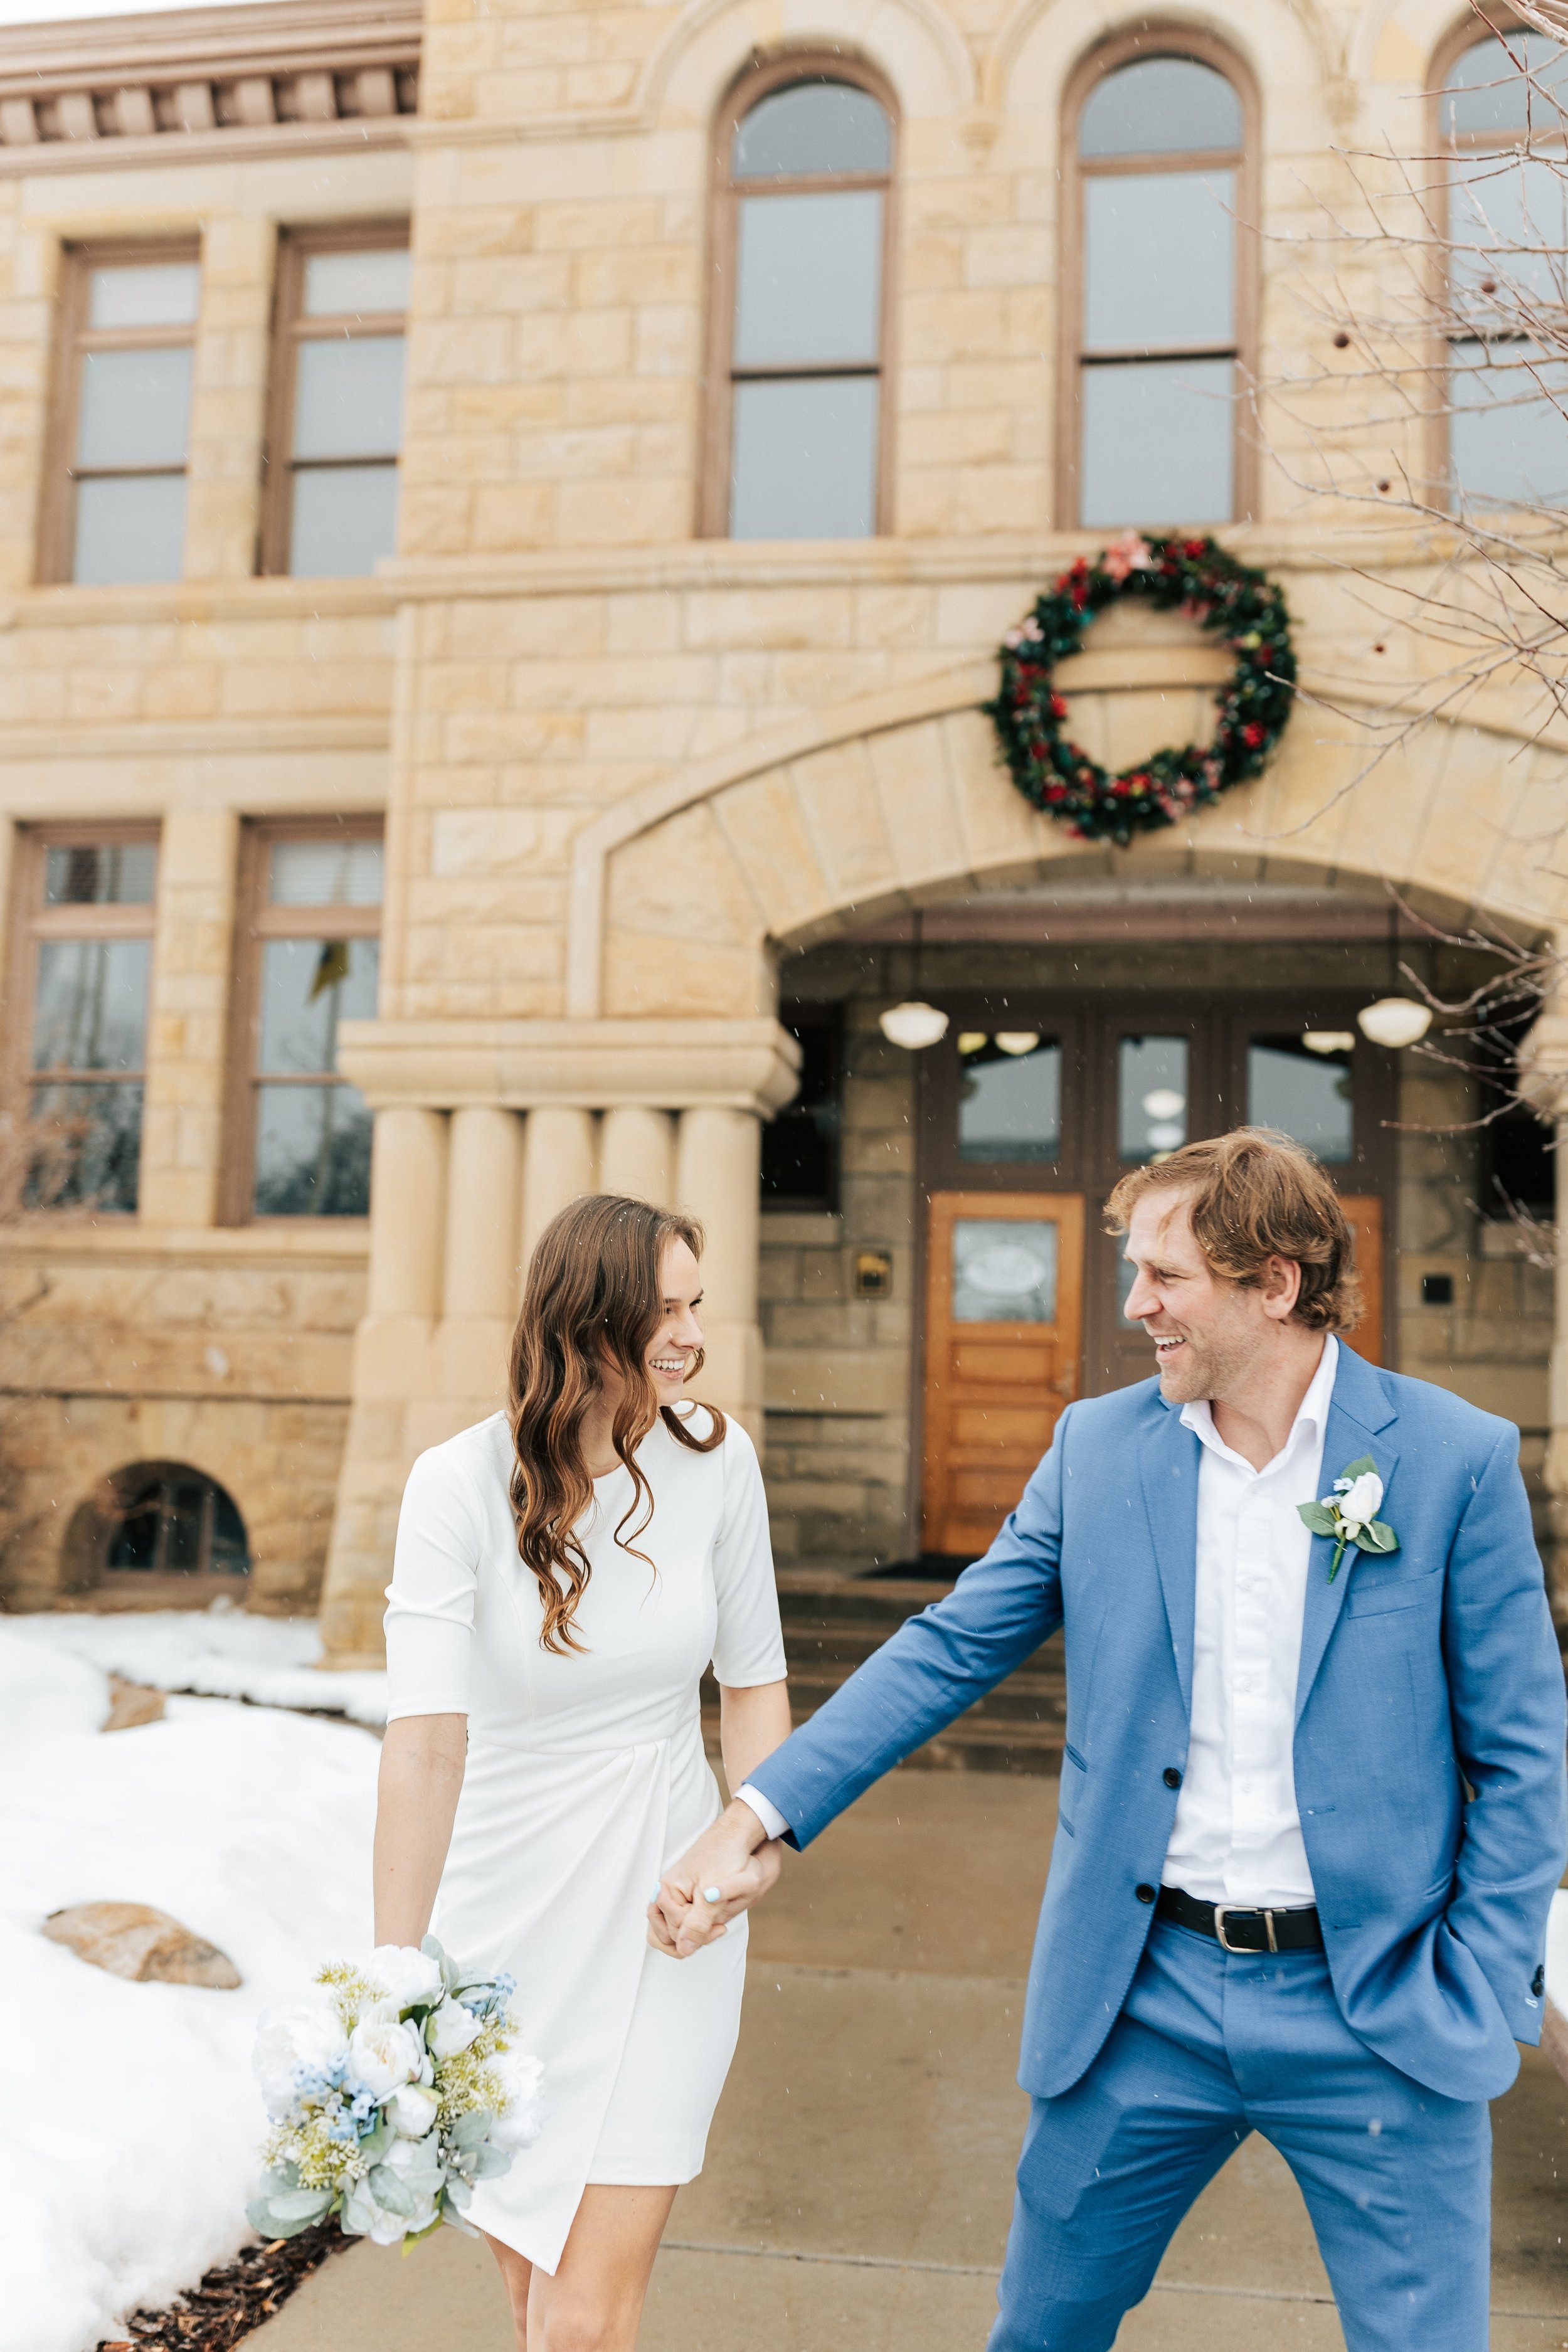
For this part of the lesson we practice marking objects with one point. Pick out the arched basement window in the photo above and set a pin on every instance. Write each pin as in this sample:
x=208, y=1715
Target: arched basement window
x=797, y=438
x=1499, y=118
x=163, y=1519
x=1159, y=284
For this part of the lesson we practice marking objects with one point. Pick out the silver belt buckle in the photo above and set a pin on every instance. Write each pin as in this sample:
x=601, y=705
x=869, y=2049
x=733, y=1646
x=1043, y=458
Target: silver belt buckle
x=1222, y=1911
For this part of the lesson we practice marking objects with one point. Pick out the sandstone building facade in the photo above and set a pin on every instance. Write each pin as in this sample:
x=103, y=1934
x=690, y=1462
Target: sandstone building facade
x=505, y=522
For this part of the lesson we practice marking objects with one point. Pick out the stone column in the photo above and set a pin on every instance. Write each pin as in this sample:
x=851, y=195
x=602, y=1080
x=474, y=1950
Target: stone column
x=718, y=1173
x=187, y=1024
x=636, y=1153
x=557, y=1165
x=392, y=1373
x=480, y=1277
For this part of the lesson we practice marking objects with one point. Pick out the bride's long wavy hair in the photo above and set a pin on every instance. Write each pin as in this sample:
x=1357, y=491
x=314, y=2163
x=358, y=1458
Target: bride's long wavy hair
x=593, y=1292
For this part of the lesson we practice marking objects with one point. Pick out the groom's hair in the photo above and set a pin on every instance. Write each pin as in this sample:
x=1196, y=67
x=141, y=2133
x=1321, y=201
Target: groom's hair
x=1254, y=1195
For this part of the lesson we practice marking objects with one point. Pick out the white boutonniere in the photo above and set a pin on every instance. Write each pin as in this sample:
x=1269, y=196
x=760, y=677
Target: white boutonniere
x=1350, y=1513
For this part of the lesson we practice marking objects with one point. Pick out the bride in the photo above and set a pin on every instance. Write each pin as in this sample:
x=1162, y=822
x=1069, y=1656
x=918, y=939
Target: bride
x=565, y=1572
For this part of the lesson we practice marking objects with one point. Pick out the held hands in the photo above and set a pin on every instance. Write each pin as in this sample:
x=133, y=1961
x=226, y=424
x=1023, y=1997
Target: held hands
x=728, y=1869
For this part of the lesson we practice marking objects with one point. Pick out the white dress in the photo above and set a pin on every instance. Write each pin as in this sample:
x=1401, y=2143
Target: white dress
x=585, y=1777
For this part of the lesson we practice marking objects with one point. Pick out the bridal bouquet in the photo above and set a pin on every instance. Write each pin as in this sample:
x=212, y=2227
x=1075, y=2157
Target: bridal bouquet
x=391, y=2088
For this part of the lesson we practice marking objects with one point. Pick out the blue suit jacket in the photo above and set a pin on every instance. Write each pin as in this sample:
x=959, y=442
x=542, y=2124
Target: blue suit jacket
x=1422, y=1671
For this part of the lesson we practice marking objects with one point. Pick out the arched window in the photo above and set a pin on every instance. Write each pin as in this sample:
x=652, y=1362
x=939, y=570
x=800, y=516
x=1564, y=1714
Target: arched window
x=797, y=440
x=157, y=1520
x=1500, y=121
x=1158, y=276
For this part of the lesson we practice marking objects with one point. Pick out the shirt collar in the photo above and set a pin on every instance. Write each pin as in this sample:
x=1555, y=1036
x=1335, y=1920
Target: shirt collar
x=1312, y=1413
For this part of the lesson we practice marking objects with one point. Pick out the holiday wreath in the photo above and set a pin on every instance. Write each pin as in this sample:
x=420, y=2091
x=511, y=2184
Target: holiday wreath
x=1196, y=577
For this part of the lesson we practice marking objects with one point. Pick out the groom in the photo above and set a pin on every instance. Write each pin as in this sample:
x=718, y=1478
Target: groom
x=1312, y=1803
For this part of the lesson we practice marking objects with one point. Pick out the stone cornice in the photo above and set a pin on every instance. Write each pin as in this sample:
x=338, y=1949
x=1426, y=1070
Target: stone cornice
x=273, y=80
x=665, y=1065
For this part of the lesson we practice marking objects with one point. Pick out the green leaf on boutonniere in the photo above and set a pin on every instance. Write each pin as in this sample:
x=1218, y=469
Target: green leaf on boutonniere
x=1359, y=1467
x=1316, y=1516
x=1378, y=1535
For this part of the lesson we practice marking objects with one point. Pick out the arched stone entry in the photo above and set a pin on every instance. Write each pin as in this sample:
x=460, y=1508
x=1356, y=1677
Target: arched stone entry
x=685, y=900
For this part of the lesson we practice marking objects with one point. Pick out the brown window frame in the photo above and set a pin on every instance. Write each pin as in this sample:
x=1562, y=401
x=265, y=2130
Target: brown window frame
x=35, y=923
x=1462, y=35
x=73, y=338
x=1158, y=39
x=290, y=328
x=256, y=923
x=721, y=374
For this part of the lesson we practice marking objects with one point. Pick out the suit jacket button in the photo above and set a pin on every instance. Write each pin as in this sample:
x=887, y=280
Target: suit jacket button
x=1145, y=1893
x=1170, y=1777
x=1538, y=1983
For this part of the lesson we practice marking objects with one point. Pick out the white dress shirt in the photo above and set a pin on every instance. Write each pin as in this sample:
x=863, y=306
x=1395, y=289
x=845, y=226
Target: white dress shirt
x=1237, y=1835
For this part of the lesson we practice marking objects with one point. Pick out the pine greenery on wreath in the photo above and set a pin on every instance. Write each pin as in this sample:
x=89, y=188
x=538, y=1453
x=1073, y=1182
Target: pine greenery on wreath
x=1195, y=576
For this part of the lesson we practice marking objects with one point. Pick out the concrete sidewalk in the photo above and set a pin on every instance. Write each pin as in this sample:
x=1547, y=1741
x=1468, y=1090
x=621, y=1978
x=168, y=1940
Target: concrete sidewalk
x=858, y=2177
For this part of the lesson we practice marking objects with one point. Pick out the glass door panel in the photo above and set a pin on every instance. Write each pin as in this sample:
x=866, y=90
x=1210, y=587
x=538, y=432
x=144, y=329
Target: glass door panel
x=1003, y=1326
x=1303, y=1085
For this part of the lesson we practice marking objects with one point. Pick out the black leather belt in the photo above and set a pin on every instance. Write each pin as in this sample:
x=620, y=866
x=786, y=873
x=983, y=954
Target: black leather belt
x=1239, y=1927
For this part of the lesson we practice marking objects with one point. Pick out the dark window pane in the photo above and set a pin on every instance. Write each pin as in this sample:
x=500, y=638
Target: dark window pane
x=1152, y=1097
x=1009, y=1096
x=805, y=459
x=1003, y=1270
x=348, y=397
x=170, y=1521
x=101, y=874
x=345, y=520
x=800, y=1144
x=1158, y=441
x=1487, y=94
x=134, y=407
x=129, y=527
x=1161, y=106
x=84, y=1149
x=308, y=986
x=90, y=1009
x=229, y=1553
x=1306, y=1095
x=1159, y=260
x=808, y=275
x=812, y=126
x=312, y=1152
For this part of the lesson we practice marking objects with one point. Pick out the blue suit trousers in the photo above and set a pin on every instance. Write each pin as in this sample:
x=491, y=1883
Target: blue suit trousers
x=1209, y=2047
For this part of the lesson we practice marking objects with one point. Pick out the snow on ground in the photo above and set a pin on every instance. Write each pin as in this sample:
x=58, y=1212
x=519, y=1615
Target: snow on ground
x=131, y=2119
x=1557, y=1952
x=221, y=1653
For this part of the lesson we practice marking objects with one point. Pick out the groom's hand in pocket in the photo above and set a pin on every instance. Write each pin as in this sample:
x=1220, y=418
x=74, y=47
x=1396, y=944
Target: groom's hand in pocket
x=726, y=1871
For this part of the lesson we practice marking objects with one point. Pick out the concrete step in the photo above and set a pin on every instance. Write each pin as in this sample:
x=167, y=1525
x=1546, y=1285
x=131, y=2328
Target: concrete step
x=833, y=1621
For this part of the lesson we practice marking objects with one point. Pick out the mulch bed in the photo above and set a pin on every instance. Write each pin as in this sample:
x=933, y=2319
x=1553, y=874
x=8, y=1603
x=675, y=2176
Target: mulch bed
x=234, y=2299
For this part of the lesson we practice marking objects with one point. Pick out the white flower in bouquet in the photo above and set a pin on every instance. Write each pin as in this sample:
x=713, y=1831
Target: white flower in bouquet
x=451, y=2029
x=411, y=2110
x=384, y=2054
x=410, y=1977
x=385, y=2119
x=306, y=2036
x=516, y=2127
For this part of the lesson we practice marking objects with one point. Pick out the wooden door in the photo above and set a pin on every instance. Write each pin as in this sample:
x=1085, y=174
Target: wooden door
x=1364, y=1214
x=1004, y=1316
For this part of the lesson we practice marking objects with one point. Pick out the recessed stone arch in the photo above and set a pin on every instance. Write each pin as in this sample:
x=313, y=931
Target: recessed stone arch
x=915, y=43
x=699, y=899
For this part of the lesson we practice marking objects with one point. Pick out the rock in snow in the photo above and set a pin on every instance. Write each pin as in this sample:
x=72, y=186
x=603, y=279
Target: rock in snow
x=131, y=1940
